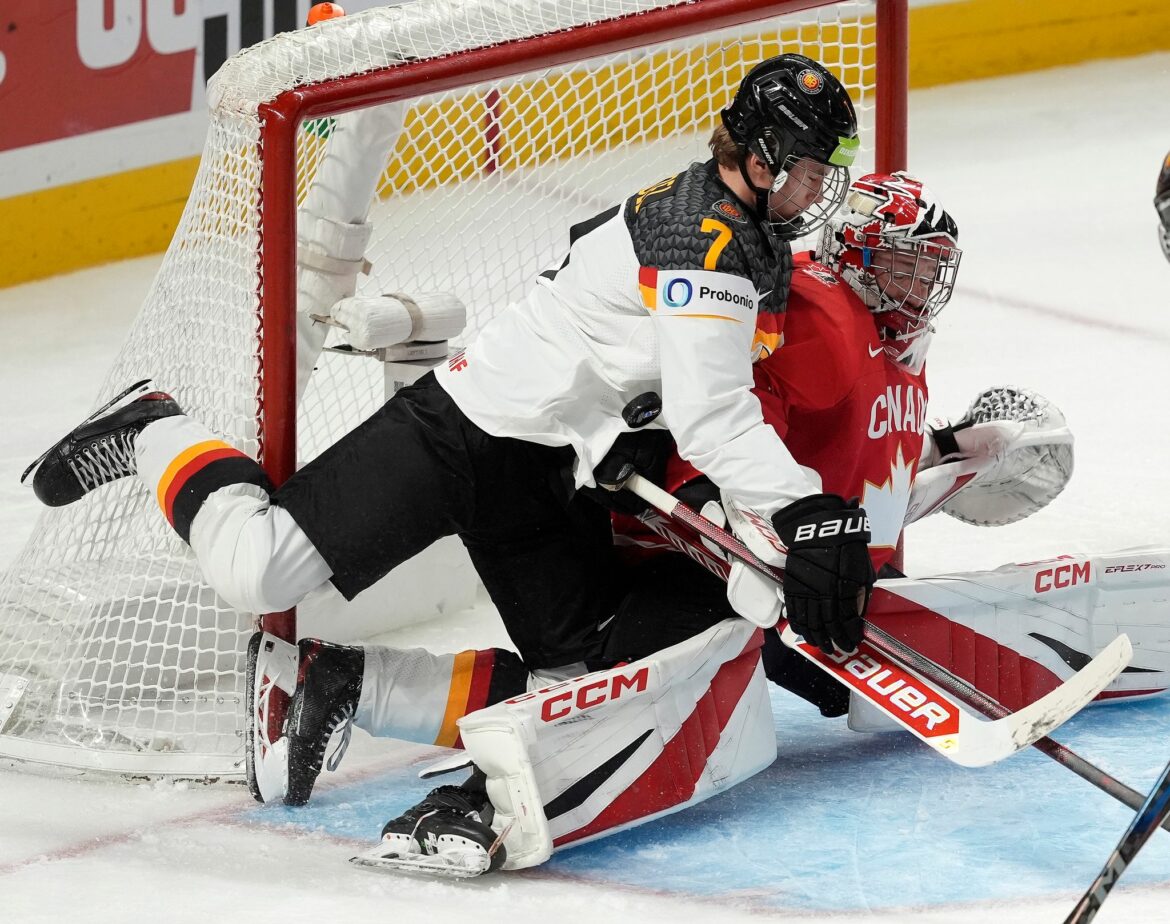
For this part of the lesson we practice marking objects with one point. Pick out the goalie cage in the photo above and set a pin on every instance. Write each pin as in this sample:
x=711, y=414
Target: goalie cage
x=522, y=117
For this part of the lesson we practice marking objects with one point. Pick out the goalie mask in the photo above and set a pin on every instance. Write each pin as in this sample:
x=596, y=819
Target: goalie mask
x=898, y=250
x=1162, y=204
x=799, y=120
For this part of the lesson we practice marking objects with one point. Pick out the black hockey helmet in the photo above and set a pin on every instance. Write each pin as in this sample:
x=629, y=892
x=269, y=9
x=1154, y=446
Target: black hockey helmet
x=1162, y=204
x=791, y=107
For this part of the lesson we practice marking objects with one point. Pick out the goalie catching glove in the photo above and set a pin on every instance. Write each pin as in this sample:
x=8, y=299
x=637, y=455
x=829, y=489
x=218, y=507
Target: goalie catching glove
x=1009, y=455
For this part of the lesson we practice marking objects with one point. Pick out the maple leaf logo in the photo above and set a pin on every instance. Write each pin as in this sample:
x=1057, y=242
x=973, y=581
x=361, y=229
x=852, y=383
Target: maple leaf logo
x=886, y=502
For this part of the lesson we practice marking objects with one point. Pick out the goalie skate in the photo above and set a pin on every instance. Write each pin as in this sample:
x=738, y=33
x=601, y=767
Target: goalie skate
x=453, y=857
x=328, y=687
x=445, y=835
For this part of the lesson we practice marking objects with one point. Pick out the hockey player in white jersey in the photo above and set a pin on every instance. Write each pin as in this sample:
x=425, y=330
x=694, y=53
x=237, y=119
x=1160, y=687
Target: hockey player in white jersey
x=661, y=293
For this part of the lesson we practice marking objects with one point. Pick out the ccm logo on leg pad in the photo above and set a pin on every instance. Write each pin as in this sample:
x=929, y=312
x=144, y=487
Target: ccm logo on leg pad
x=578, y=695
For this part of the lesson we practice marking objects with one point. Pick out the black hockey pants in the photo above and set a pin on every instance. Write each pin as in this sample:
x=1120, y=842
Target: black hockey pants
x=418, y=470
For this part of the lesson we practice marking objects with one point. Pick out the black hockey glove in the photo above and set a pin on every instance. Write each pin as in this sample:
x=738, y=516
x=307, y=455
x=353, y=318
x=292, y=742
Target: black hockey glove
x=642, y=452
x=829, y=576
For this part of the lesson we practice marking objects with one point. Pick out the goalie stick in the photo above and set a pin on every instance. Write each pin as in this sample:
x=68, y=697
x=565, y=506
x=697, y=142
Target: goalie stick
x=1152, y=814
x=918, y=694
x=688, y=543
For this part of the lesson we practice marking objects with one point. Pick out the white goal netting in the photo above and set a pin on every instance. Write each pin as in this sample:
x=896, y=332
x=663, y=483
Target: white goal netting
x=114, y=654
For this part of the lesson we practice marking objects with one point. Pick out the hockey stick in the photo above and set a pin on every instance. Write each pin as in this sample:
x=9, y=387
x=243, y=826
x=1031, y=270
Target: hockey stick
x=1153, y=813
x=918, y=694
x=688, y=543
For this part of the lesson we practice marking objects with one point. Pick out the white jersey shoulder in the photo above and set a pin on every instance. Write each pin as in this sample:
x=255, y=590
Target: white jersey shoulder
x=602, y=329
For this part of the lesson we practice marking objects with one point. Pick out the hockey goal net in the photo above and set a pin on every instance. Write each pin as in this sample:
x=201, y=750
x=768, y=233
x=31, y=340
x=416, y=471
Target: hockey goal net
x=509, y=120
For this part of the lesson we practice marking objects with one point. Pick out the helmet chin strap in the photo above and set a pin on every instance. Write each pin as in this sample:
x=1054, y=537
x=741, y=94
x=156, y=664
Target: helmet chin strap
x=762, y=193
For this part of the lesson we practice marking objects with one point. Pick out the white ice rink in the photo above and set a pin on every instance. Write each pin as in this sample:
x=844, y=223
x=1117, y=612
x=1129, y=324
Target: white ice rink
x=1063, y=289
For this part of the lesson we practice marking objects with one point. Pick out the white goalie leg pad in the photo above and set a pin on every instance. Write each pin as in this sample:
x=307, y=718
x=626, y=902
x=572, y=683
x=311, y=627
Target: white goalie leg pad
x=374, y=322
x=613, y=749
x=1021, y=629
x=332, y=231
x=330, y=255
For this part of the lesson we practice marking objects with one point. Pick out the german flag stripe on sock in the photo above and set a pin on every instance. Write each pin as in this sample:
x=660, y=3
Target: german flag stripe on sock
x=462, y=677
x=478, y=679
x=198, y=472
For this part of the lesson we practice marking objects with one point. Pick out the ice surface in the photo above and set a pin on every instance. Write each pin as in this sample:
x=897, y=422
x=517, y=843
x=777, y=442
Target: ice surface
x=1063, y=289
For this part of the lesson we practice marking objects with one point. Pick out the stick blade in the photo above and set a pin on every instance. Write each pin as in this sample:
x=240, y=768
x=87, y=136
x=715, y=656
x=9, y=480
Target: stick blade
x=988, y=742
x=941, y=720
x=1057, y=707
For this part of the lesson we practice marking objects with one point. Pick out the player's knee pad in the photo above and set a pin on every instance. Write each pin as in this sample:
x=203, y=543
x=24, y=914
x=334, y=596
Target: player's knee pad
x=613, y=749
x=253, y=553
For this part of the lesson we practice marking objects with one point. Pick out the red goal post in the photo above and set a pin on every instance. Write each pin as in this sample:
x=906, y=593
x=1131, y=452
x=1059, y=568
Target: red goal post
x=465, y=138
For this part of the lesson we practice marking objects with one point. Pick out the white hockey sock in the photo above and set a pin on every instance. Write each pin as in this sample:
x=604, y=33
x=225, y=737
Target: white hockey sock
x=417, y=696
x=215, y=497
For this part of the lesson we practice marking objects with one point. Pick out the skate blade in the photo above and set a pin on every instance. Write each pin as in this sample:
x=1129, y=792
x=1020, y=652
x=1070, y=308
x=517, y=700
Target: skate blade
x=130, y=394
x=449, y=864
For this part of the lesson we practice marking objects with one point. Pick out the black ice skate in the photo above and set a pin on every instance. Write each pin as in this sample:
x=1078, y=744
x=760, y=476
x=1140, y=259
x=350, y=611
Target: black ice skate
x=447, y=834
x=329, y=684
x=101, y=449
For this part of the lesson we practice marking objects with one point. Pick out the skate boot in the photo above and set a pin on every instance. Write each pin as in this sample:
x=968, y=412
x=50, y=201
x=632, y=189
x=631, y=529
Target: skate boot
x=329, y=684
x=271, y=681
x=101, y=449
x=447, y=834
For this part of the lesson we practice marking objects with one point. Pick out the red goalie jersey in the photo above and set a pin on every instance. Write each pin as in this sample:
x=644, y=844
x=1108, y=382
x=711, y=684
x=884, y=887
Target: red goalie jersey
x=842, y=406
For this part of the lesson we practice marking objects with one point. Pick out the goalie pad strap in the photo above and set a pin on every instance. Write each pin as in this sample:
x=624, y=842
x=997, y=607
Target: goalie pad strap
x=613, y=749
x=433, y=315
x=339, y=242
x=311, y=258
x=330, y=254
